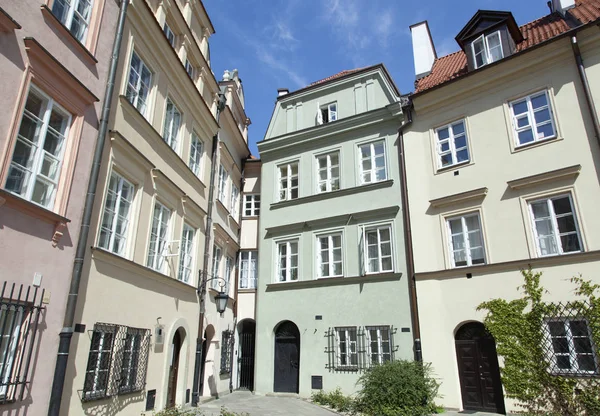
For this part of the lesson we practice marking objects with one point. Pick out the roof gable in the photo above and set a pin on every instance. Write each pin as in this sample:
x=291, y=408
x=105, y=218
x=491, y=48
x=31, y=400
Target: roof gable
x=486, y=19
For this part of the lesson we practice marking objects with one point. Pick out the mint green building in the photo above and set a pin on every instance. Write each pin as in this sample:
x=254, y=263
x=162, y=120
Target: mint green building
x=333, y=287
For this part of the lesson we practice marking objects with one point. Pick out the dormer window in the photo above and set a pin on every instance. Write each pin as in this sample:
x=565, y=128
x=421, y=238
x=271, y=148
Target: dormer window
x=327, y=113
x=487, y=49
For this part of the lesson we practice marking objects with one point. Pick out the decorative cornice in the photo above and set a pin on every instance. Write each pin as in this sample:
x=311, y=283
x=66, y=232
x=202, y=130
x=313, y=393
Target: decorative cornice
x=551, y=176
x=459, y=198
x=332, y=281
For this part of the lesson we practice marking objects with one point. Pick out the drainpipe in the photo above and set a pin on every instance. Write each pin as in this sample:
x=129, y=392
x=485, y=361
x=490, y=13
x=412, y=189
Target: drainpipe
x=410, y=265
x=67, y=331
x=198, y=370
x=586, y=86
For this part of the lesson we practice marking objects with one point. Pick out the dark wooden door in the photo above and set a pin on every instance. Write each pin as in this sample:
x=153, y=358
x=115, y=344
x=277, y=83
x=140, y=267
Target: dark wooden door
x=173, y=370
x=479, y=373
x=287, y=359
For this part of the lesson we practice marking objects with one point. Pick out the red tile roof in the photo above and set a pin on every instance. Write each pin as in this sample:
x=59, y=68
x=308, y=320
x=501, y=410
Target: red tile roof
x=338, y=75
x=454, y=65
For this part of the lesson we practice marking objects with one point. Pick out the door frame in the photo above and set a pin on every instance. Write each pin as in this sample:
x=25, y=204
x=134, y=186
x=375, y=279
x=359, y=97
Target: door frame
x=296, y=336
x=176, y=358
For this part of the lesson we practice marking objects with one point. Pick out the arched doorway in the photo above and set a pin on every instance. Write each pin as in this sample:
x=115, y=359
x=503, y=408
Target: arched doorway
x=176, y=344
x=478, y=369
x=287, y=358
x=247, y=333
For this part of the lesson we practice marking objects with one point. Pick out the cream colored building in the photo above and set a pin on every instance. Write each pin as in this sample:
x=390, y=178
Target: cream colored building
x=502, y=172
x=139, y=297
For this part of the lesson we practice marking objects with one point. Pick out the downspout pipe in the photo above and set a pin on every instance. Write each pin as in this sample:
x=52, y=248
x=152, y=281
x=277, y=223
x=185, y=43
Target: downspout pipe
x=66, y=333
x=410, y=264
x=203, y=275
x=586, y=86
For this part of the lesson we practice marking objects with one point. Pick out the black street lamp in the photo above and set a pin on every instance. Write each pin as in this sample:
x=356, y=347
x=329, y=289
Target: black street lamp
x=221, y=298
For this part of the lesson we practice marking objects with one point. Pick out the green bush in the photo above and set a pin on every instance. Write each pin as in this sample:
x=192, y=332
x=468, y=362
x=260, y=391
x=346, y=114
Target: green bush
x=335, y=399
x=177, y=411
x=398, y=388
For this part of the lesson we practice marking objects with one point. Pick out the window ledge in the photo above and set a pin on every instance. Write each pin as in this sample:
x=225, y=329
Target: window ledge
x=7, y=23
x=240, y=290
x=333, y=194
x=29, y=208
x=459, y=198
x=521, y=147
x=455, y=166
x=551, y=176
x=53, y=20
x=332, y=281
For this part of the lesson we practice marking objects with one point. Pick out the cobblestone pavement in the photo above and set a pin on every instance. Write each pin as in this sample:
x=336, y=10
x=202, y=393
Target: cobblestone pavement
x=243, y=401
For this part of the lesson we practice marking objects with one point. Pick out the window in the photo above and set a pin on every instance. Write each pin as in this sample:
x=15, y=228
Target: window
x=216, y=266
x=487, y=49
x=158, y=237
x=328, y=172
x=466, y=240
x=555, y=226
x=226, y=348
x=139, y=83
x=37, y=158
x=378, y=344
x=251, y=205
x=346, y=340
x=329, y=255
x=117, y=361
x=288, y=181
x=172, y=124
x=452, y=146
x=372, y=162
x=196, y=149
x=378, y=254
x=572, y=347
x=186, y=254
x=223, y=179
x=169, y=34
x=235, y=201
x=189, y=68
x=328, y=113
x=532, y=119
x=75, y=15
x=248, y=269
x=287, y=265
x=227, y=277
x=115, y=219
x=11, y=329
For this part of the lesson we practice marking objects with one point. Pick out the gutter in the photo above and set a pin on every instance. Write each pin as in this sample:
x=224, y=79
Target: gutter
x=410, y=264
x=586, y=86
x=66, y=333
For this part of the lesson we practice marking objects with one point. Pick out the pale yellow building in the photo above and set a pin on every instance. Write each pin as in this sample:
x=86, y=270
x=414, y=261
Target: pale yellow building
x=502, y=174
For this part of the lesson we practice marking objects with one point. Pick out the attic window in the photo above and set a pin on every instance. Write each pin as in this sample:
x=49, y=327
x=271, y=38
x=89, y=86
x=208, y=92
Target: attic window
x=487, y=49
x=327, y=113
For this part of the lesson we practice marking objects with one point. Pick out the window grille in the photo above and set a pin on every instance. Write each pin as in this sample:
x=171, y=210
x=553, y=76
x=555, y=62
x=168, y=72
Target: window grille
x=117, y=362
x=226, y=347
x=348, y=348
x=20, y=311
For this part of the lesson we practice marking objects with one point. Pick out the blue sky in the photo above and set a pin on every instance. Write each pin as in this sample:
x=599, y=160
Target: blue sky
x=291, y=43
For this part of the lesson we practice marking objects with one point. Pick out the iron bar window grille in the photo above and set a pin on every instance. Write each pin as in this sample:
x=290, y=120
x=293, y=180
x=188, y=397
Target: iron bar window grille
x=226, y=347
x=117, y=362
x=353, y=348
x=20, y=312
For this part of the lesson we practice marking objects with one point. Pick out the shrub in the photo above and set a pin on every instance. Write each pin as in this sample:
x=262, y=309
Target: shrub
x=177, y=411
x=335, y=399
x=398, y=388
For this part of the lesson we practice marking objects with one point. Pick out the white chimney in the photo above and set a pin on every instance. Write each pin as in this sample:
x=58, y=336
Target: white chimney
x=561, y=6
x=423, y=49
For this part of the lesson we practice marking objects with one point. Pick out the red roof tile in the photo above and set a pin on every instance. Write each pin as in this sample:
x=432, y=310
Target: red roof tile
x=454, y=65
x=338, y=75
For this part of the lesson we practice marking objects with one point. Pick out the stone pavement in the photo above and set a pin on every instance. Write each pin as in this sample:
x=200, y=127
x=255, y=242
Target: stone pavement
x=244, y=401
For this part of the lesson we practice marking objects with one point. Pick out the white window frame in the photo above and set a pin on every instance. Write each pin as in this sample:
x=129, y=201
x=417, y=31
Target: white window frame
x=8, y=350
x=465, y=235
x=196, y=154
x=285, y=175
x=452, y=149
x=171, y=129
x=38, y=155
x=235, y=201
x=330, y=179
x=530, y=115
x=186, y=254
x=289, y=269
x=329, y=112
x=330, y=249
x=347, y=351
x=121, y=183
x=190, y=69
x=229, y=262
x=217, y=256
x=96, y=370
x=156, y=259
x=485, y=40
x=248, y=269
x=372, y=158
x=71, y=12
x=365, y=248
x=222, y=187
x=169, y=34
x=572, y=354
x=134, y=92
x=254, y=201
x=555, y=229
x=133, y=348
x=380, y=344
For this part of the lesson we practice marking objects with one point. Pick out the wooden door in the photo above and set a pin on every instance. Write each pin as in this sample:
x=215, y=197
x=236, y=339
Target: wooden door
x=478, y=370
x=173, y=370
x=287, y=359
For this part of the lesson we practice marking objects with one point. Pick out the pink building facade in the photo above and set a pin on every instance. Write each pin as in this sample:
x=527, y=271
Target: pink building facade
x=54, y=58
